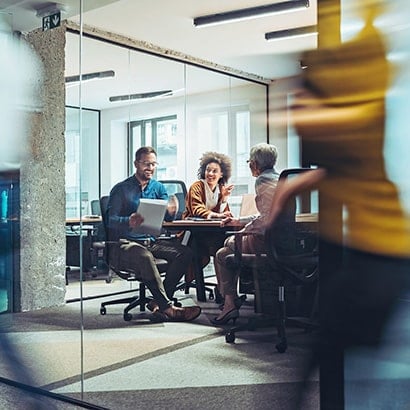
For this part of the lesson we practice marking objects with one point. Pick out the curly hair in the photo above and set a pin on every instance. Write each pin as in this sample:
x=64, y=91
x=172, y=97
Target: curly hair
x=223, y=160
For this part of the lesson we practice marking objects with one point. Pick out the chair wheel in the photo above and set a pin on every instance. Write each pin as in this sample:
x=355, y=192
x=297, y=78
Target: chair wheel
x=127, y=317
x=103, y=310
x=230, y=337
x=281, y=347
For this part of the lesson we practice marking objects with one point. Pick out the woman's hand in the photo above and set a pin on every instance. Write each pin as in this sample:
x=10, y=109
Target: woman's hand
x=135, y=220
x=225, y=214
x=231, y=221
x=226, y=191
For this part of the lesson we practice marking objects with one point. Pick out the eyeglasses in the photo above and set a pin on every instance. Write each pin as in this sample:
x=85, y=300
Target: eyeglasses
x=149, y=164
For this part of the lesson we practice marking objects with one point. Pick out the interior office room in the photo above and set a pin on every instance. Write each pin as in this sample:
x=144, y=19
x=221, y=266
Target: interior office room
x=101, y=79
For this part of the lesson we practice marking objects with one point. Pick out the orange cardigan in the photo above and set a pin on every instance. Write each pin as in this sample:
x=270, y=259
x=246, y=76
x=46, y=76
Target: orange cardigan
x=195, y=202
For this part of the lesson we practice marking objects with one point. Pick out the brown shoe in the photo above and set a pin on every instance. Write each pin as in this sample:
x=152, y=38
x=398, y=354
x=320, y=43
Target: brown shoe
x=153, y=306
x=181, y=314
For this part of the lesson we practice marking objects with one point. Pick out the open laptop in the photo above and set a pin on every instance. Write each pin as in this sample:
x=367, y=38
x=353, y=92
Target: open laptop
x=248, y=205
x=153, y=212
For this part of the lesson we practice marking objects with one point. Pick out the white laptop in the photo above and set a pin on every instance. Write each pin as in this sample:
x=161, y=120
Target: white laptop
x=153, y=212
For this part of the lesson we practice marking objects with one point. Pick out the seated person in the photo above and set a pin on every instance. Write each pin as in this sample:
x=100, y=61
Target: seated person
x=262, y=160
x=207, y=198
x=122, y=218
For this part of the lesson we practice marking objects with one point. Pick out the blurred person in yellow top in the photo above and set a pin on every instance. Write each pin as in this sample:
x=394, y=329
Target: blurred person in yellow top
x=341, y=115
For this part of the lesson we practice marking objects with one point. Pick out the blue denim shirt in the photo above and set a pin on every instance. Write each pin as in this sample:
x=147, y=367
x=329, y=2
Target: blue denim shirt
x=124, y=200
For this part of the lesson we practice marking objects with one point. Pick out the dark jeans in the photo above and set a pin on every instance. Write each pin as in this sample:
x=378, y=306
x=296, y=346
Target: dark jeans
x=140, y=259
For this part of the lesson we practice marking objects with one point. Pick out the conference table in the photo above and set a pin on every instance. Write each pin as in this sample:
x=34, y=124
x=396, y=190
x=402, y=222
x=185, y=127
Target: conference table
x=207, y=226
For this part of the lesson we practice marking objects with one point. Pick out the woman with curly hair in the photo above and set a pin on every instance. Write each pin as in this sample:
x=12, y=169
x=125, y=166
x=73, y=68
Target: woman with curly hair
x=207, y=198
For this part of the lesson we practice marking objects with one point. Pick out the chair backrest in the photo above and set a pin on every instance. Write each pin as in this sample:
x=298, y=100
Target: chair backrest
x=103, y=208
x=178, y=188
x=292, y=245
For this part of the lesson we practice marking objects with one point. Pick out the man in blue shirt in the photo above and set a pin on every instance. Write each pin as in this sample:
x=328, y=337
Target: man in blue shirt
x=138, y=252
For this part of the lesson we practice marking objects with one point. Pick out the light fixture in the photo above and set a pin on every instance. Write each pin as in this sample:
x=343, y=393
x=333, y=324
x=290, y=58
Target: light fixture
x=49, y=8
x=138, y=96
x=90, y=76
x=250, y=12
x=291, y=33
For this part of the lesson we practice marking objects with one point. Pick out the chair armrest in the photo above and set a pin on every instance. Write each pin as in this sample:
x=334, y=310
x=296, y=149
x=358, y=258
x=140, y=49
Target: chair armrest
x=238, y=257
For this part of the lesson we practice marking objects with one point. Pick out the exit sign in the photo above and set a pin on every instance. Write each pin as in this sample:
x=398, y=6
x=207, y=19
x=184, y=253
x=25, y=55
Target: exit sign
x=51, y=21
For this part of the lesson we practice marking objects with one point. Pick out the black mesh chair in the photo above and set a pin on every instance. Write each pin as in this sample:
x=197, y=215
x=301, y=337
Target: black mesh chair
x=111, y=250
x=289, y=267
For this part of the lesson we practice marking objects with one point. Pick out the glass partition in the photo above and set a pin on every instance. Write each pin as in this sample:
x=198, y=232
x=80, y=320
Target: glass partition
x=181, y=109
x=118, y=98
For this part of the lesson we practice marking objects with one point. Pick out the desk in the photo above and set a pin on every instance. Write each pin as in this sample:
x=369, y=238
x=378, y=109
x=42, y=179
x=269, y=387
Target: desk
x=198, y=228
x=74, y=241
x=88, y=220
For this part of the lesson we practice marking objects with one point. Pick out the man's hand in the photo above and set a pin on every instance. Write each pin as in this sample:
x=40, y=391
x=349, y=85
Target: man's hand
x=135, y=220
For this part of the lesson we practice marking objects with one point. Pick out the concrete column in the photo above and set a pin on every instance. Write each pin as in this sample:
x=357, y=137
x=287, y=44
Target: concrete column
x=42, y=266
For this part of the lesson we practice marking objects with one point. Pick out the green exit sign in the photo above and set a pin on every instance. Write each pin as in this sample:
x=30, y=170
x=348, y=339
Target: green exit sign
x=51, y=21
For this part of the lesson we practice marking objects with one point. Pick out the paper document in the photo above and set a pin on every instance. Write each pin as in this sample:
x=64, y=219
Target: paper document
x=153, y=212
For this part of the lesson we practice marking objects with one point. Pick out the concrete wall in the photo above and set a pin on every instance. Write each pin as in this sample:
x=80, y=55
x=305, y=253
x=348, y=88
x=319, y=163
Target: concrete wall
x=42, y=266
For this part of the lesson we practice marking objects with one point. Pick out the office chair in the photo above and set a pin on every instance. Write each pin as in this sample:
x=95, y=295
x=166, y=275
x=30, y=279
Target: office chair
x=291, y=260
x=112, y=249
x=178, y=188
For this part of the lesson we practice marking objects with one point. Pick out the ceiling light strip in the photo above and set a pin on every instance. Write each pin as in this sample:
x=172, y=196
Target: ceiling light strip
x=251, y=12
x=151, y=94
x=291, y=33
x=90, y=76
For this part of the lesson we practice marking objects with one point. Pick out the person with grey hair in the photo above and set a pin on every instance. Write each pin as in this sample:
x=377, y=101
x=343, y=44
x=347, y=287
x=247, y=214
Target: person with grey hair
x=262, y=161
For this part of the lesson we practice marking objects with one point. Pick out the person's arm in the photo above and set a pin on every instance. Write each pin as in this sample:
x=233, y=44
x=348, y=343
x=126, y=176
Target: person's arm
x=118, y=223
x=289, y=188
x=195, y=201
x=223, y=207
x=313, y=117
x=265, y=190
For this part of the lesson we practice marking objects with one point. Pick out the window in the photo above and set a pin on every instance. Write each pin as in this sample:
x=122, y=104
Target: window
x=161, y=134
x=82, y=161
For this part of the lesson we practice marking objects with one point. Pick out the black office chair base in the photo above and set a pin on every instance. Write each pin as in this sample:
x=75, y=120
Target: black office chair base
x=213, y=293
x=251, y=324
x=264, y=321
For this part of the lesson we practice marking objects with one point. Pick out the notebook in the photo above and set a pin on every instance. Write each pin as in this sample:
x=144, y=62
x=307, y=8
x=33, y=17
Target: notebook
x=153, y=212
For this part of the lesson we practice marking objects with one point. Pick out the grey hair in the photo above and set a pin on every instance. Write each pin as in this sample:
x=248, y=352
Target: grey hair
x=264, y=155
